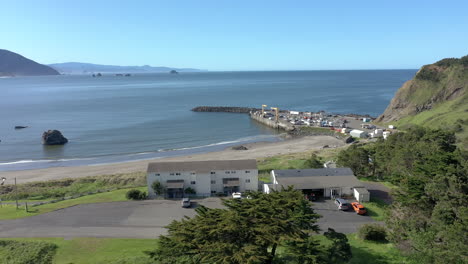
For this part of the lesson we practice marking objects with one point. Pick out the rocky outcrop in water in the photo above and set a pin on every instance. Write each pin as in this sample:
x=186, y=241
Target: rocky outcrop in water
x=227, y=109
x=53, y=137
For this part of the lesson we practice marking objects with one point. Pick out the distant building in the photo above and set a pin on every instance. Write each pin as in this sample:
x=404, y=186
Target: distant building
x=385, y=134
x=205, y=177
x=326, y=182
x=358, y=133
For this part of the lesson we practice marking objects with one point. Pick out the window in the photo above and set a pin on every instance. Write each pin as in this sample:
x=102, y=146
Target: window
x=172, y=174
x=213, y=172
x=177, y=173
x=213, y=182
x=227, y=172
x=247, y=171
x=192, y=182
x=158, y=174
x=247, y=180
x=213, y=192
x=192, y=173
x=233, y=171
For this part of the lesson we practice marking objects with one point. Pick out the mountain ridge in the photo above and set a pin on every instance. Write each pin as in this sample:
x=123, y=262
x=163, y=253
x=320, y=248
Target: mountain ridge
x=86, y=68
x=14, y=64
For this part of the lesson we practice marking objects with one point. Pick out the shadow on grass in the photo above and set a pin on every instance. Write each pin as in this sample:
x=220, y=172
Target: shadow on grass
x=364, y=256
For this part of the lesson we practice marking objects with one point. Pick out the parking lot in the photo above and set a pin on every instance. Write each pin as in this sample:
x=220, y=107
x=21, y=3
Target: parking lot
x=342, y=221
x=143, y=219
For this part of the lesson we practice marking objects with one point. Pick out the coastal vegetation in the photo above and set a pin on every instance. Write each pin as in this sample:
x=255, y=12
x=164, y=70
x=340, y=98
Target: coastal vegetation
x=437, y=97
x=9, y=210
x=429, y=208
x=53, y=189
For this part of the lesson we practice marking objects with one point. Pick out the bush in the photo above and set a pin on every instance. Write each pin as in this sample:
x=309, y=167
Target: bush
x=189, y=190
x=373, y=232
x=135, y=194
x=21, y=252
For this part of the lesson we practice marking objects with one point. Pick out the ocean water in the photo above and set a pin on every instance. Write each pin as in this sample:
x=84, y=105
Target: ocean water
x=113, y=119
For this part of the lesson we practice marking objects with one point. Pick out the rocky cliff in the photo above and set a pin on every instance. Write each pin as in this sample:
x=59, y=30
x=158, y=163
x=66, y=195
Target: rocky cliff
x=440, y=88
x=12, y=64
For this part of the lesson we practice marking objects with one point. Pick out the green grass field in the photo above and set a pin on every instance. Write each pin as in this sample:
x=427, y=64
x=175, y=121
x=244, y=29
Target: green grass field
x=130, y=251
x=98, y=250
x=9, y=211
x=376, y=208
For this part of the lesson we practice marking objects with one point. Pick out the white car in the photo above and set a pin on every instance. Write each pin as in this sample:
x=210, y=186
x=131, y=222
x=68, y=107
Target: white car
x=237, y=195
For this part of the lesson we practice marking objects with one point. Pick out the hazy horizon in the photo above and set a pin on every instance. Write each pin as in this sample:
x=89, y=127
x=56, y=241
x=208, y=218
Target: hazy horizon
x=240, y=36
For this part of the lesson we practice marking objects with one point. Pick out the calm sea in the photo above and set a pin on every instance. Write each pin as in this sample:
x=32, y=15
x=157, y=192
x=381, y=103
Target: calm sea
x=114, y=119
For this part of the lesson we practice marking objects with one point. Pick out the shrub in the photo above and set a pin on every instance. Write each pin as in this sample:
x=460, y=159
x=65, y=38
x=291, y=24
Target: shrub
x=157, y=187
x=135, y=194
x=373, y=232
x=26, y=252
x=189, y=190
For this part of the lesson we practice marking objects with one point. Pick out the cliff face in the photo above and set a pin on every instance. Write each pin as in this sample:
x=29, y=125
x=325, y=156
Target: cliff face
x=442, y=83
x=12, y=64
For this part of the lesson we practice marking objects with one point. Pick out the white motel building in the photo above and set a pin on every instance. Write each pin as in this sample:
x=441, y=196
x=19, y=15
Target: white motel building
x=207, y=178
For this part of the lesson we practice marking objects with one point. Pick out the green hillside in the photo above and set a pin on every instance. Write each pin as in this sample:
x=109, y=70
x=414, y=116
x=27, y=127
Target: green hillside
x=436, y=97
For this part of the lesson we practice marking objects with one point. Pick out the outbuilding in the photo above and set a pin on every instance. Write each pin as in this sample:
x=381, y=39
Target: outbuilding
x=358, y=133
x=326, y=182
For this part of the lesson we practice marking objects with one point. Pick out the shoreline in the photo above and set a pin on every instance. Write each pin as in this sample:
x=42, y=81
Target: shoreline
x=255, y=150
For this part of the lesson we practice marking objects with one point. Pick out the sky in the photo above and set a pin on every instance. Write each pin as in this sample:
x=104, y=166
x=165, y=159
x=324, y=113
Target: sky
x=238, y=35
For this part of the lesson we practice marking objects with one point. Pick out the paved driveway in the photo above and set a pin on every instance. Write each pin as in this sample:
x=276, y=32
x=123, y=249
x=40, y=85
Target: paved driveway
x=341, y=221
x=144, y=219
x=132, y=219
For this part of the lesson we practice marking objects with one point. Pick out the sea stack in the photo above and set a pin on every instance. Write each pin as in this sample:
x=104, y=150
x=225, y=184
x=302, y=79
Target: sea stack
x=53, y=137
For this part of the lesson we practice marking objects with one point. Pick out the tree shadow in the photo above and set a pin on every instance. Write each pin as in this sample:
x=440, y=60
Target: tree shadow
x=367, y=256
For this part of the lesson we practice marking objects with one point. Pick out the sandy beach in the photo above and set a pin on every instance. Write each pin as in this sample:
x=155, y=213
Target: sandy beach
x=255, y=150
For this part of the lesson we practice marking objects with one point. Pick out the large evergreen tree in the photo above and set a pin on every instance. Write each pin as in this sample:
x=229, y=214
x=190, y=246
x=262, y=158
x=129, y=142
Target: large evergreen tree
x=247, y=231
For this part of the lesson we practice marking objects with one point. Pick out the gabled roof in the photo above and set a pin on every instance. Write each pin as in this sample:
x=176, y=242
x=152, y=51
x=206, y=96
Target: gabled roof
x=202, y=166
x=317, y=178
x=314, y=172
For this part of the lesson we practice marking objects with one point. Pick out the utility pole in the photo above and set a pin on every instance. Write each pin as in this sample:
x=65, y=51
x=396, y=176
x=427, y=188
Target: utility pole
x=16, y=194
x=276, y=113
x=263, y=109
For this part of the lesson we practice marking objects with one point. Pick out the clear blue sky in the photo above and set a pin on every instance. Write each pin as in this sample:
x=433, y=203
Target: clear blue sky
x=238, y=35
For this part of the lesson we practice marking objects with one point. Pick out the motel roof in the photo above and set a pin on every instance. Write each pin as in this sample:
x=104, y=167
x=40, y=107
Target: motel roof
x=202, y=166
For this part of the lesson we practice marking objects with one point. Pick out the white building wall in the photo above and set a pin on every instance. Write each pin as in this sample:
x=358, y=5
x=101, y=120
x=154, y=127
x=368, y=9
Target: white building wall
x=206, y=183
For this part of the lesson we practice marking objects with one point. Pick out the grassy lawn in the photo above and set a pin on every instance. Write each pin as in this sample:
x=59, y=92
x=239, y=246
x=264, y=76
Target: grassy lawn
x=117, y=250
x=369, y=252
x=98, y=250
x=376, y=208
x=10, y=212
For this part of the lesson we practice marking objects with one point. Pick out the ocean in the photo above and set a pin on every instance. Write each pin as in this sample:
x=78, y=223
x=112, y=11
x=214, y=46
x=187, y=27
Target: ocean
x=113, y=119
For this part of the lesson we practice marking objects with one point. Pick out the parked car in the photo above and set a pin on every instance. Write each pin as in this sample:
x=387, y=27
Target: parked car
x=237, y=195
x=342, y=204
x=186, y=203
x=358, y=208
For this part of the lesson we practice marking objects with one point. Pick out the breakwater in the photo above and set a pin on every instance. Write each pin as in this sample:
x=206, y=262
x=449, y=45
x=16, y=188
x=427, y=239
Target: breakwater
x=227, y=109
x=271, y=123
